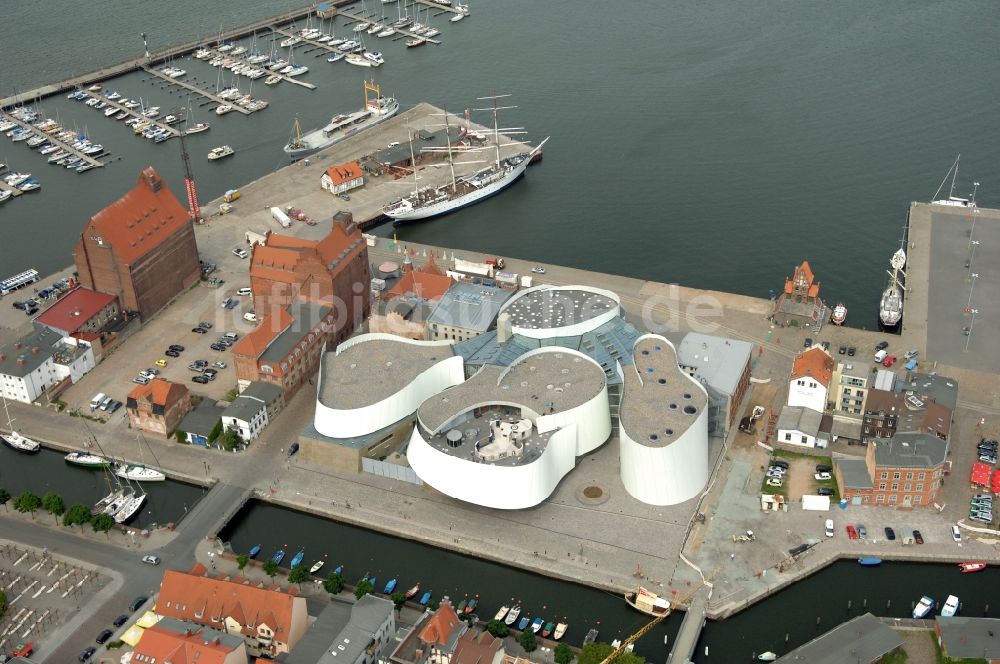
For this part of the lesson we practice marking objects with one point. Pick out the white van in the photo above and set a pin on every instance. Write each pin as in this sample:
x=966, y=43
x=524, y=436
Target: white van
x=881, y=355
x=97, y=401
x=244, y=291
x=829, y=527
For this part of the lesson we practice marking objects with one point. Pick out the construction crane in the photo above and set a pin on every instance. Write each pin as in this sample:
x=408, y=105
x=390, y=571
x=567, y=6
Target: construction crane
x=627, y=643
x=194, y=209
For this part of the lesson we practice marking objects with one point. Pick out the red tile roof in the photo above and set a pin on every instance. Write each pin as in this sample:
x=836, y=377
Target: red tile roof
x=271, y=326
x=816, y=363
x=159, y=391
x=344, y=172
x=76, y=308
x=426, y=282
x=438, y=628
x=193, y=646
x=476, y=648
x=141, y=220
x=277, y=259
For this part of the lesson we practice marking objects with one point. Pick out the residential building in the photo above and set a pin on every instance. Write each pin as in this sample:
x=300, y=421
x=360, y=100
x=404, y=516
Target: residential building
x=405, y=308
x=199, y=424
x=809, y=383
x=903, y=471
x=965, y=638
x=141, y=248
x=433, y=639
x=332, y=272
x=722, y=366
x=253, y=409
x=476, y=647
x=864, y=639
x=270, y=620
x=175, y=641
x=941, y=389
x=285, y=348
x=81, y=310
x=798, y=426
x=363, y=639
x=799, y=302
x=342, y=178
x=42, y=363
x=849, y=388
x=466, y=311
x=158, y=407
x=887, y=413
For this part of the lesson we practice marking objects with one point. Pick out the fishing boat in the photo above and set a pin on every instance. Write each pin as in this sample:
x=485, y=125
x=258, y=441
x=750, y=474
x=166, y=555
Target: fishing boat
x=297, y=558
x=547, y=630
x=15, y=440
x=767, y=657
x=523, y=623
x=536, y=625
x=969, y=567
x=647, y=602
x=429, y=202
x=839, y=314
x=869, y=561
x=376, y=109
x=254, y=551
x=426, y=597
x=501, y=613
x=951, y=606
x=317, y=566
x=197, y=127
x=591, y=637
x=512, y=615
x=85, y=460
x=220, y=152
x=412, y=592
x=389, y=587
x=924, y=607
x=471, y=606
x=278, y=555
x=138, y=473
x=891, y=305
x=560, y=631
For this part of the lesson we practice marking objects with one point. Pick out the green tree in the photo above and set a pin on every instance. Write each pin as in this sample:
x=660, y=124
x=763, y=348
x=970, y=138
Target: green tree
x=77, y=514
x=399, y=599
x=27, y=502
x=497, y=628
x=3, y=603
x=528, y=641
x=334, y=583
x=299, y=574
x=270, y=567
x=242, y=561
x=230, y=440
x=563, y=654
x=364, y=587
x=4, y=497
x=595, y=653
x=103, y=523
x=53, y=504
x=214, y=433
x=180, y=436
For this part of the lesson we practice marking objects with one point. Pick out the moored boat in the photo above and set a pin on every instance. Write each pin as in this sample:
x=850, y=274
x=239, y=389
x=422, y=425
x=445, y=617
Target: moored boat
x=591, y=637
x=317, y=566
x=501, y=613
x=839, y=314
x=87, y=460
x=376, y=109
x=951, y=606
x=547, y=630
x=560, y=631
x=969, y=567
x=220, y=152
x=389, y=587
x=523, y=623
x=278, y=555
x=471, y=606
x=536, y=625
x=426, y=597
x=130, y=507
x=512, y=615
x=254, y=551
x=297, y=558
x=647, y=602
x=461, y=606
x=15, y=440
x=869, y=561
x=767, y=657
x=924, y=607
x=197, y=127
x=412, y=592
x=139, y=473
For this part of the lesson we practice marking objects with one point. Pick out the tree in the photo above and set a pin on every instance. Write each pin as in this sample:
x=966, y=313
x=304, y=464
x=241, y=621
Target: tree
x=563, y=654
x=334, y=583
x=242, y=561
x=299, y=574
x=230, y=440
x=363, y=588
x=103, y=523
x=497, y=628
x=4, y=497
x=27, y=502
x=528, y=641
x=53, y=504
x=595, y=653
x=180, y=436
x=77, y=514
x=3, y=603
x=399, y=599
x=270, y=567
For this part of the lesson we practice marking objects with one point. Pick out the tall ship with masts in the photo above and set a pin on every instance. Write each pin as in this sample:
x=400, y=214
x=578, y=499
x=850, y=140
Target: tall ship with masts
x=890, y=310
x=376, y=109
x=428, y=202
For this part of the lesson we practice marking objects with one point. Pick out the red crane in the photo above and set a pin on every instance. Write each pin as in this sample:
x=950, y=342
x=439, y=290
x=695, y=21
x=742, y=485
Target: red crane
x=194, y=209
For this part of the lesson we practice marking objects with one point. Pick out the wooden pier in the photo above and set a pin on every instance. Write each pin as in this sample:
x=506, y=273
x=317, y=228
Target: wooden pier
x=6, y=187
x=399, y=31
x=228, y=59
x=137, y=113
x=444, y=9
x=194, y=88
x=51, y=138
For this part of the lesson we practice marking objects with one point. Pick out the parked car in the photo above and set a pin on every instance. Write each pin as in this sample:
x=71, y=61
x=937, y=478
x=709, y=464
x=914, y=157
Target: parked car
x=825, y=345
x=199, y=379
x=250, y=316
x=225, y=303
x=956, y=534
x=151, y=560
x=205, y=325
x=779, y=463
x=912, y=353
x=210, y=372
x=115, y=405
x=244, y=291
x=823, y=477
x=823, y=468
x=293, y=448
x=842, y=350
x=824, y=491
x=241, y=252
x=160, y=363
x=120, y=620
x=219, y=364
x=217, y=346
x=852, y=532
x=152, y=372
x=774, y=473
x=538, y=269
x=889, y=361
x=807, y=343
x=774, y=481
x=890, y=534
x=862, y=531
x=199, y=330
x=141, y=380
x=882, y=345
x=87, y=653
x=232, y=336
x=103, y=637
x=829, y=527
x=137, y=602
x=172, y=353
x=177, y=347
x=851, y=351
x=917, y=537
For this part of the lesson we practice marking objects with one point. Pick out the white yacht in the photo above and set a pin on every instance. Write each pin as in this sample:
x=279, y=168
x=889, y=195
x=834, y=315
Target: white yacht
x=139, y=473
x=220, y=152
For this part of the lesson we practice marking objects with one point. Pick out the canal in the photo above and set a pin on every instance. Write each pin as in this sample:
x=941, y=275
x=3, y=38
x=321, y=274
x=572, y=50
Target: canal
x=46, y=471
x=782, y=622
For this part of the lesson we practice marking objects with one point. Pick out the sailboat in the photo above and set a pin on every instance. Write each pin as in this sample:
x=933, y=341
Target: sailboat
x=15, y=440
x=138, y=472
x=891, y=305
x=952, y=200
x=431, y=202
x=85, y=460
x=130, y=505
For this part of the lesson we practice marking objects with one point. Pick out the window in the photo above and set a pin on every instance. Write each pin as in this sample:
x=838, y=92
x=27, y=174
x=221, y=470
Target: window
x=895, y=486
x=865, y=499
x=885, y=475
x=916, y=500
x=800, y=383
x=920, y=487
x=880, y=498
x=881, y=486
x=811, y=384
x=788, y=436
x=805, y=440
x=920, y=476
x=909, y=476
x=895, y=475
x=892, y=498
x=906, y=487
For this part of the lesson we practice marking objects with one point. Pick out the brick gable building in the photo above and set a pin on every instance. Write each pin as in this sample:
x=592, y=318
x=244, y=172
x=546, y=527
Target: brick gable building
x=158, y=407
x=141, y=248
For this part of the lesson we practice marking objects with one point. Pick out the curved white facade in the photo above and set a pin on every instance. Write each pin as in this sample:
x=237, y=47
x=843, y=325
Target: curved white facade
x=571, y=432
x=590, y=321
x=673, y=468
x=364, y=419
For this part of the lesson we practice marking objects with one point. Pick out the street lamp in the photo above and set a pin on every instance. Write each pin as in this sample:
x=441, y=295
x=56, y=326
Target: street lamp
x=973, y=277
x=968, y=333
x=975, y=186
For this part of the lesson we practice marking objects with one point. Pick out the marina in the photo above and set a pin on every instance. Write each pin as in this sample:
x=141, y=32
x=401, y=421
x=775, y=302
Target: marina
x=62, y=145
x=227, y=61
x=141, y=114
x=195, y=89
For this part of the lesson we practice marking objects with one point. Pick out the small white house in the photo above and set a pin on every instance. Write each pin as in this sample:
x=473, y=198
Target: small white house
x=252, y=410
x=342, y=178
x=810, y=380
x=800, y=426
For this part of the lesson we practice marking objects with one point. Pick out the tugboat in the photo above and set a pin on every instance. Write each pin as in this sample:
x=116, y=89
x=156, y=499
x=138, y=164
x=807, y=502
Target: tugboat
x=839, y=314
x=647, y=602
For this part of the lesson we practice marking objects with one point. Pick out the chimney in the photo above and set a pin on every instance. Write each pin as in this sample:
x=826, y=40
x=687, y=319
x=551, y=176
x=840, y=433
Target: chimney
x=18, y=345
x=2, y=357
x=503, y=327
x=20, y=361
x=34, y=351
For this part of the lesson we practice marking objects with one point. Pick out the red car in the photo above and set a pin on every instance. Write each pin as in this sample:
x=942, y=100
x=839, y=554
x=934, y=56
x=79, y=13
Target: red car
x=889, y=361
x=852, y=532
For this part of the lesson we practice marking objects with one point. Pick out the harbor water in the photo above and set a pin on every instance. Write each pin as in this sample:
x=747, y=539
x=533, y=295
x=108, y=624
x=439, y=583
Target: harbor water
x=712, y=144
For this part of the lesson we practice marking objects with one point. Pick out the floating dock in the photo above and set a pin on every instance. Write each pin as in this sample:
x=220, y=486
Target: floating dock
x=399, y=31
x=52, y=139
x=137, y=113
x=228, y=59
x=195, y=89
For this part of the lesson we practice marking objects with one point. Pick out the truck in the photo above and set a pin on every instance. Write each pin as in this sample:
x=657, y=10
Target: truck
x=280, y=217
x=497, y=262
x=256, y=236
